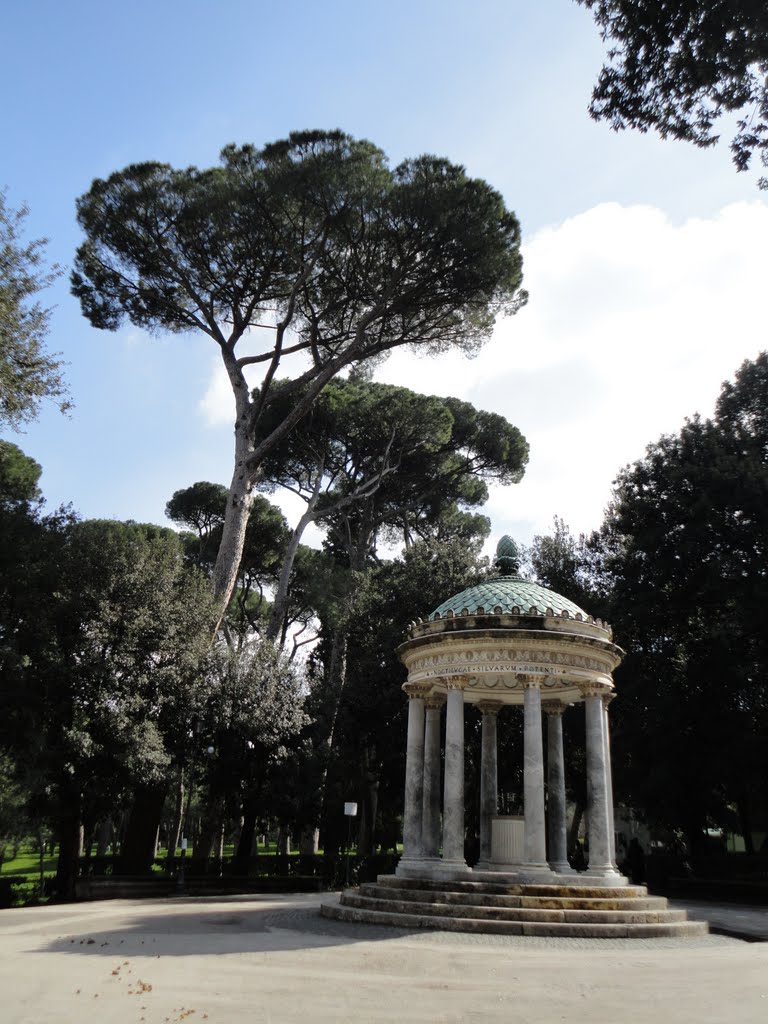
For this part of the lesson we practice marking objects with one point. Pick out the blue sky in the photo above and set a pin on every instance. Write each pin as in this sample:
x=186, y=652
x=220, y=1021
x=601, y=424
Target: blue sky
x=645, y=259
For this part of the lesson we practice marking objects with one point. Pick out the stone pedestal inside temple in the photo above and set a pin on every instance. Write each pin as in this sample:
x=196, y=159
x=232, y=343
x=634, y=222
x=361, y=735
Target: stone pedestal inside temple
x=507, y=843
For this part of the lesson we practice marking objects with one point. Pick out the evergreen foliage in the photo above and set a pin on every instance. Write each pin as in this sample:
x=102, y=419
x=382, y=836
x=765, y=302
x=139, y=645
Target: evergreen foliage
x=679, y=66
x=310, y=246
x=685, y=547
x=28, y=372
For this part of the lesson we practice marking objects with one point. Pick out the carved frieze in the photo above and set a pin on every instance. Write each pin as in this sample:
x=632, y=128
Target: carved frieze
x=504, y=661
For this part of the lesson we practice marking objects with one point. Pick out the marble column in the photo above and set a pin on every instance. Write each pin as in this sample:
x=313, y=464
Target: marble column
x=489, y=777
x=414, y=776
x=607, y=698
x=453, y=800
x=431, y=807
x=557, y=832
x=598, y=818
x=533, y=777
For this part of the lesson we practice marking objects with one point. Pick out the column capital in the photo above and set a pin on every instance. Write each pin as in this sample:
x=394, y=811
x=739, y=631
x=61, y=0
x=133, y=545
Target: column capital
x=489, y=707
x=456, y=682
x=608, y=697
x=529, y=682
x=417, y=690
x=594, y=689
x=553, y=707
x=434, y=701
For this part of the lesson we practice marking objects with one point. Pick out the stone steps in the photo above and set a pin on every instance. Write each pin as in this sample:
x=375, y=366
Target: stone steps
x=543, y=910
x=474, y=899
x=514, y=888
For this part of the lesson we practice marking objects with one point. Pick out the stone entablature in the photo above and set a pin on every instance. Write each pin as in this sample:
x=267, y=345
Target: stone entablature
x=494, y=660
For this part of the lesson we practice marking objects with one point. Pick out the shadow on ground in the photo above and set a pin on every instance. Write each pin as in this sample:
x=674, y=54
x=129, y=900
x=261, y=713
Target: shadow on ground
x=196, y=927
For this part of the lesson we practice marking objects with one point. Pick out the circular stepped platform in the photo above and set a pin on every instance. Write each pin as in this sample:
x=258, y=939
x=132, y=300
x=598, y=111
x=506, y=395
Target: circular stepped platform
x=519, y=909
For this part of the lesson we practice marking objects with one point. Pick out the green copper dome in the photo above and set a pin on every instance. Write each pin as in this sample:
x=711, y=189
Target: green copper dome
x=508, y=594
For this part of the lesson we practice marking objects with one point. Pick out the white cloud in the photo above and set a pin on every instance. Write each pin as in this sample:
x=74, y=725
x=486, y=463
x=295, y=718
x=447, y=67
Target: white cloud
x=632, y=324
x=217, y=404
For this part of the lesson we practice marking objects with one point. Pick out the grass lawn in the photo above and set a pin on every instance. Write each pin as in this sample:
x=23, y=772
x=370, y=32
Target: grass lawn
x=28, y=860
x=28, y=863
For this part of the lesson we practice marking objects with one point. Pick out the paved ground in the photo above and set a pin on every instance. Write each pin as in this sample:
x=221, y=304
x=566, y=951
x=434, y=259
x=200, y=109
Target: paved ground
x=273, y=959
x=749, y=923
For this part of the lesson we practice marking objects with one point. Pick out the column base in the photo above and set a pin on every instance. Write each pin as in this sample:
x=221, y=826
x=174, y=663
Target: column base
x=450, y=867
x=562, y=868
x=412, y=867
x=438, y=869
x=536, y=866
x=603, y=871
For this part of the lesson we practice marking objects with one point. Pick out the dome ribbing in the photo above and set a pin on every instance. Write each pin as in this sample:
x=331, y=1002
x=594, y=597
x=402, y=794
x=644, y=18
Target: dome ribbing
x=508, y=594
x=505, y=595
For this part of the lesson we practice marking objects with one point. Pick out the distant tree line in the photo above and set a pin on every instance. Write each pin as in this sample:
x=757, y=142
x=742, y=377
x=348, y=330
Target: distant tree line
x=116, y=707
x=679, y=569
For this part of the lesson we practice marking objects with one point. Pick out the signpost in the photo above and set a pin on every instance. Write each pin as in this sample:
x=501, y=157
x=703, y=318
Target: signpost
x=350, y=810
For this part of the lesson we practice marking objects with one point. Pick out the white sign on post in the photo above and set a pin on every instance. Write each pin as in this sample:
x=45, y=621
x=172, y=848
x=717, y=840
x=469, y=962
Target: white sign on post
x=183, y=844
x=350, y=810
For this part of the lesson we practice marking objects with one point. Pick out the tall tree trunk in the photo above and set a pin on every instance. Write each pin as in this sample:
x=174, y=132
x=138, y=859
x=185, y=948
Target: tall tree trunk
x=178, y=816
x=244, y=850
x=235, y=522
x=336, y=672
x=694, y=838
x=283, y=840
x=138, y=850
x=336, y=680
x=70, y=847
x=103, y=837
x=369, y=792
x=212, y=823
x=309, y=840
x=280, y=602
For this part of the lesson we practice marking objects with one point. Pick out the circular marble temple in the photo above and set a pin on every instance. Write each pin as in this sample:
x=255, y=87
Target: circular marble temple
x=508, y=641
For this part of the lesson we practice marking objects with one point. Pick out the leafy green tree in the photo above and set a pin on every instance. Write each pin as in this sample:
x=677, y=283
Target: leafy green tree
x=679, y=66
x=202, y=507
x=357, y=435
x=370, y=727
x=309, y=247
x=431, y=460
x=428, y=459
x=431, y=494
x=254, y=707
x=686, y=542
x=101, y=669
x=28, y=372
x=14, y=820
x=375, y=461
x=19, y=475
x=317, y=584
x=571, y=566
